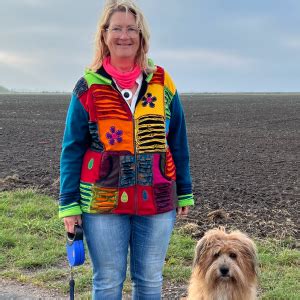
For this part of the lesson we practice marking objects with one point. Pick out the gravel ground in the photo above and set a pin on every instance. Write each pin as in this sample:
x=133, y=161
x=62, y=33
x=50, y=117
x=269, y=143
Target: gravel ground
x=10, y=290
x=245, y=159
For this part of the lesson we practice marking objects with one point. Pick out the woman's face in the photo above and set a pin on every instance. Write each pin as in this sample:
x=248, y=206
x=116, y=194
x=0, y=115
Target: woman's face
x=122, y=37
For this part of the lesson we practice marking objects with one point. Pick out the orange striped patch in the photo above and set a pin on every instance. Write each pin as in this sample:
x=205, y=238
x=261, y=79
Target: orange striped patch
x=103, y=199
x=158, y=77
x=170, y=166
x=109, y=103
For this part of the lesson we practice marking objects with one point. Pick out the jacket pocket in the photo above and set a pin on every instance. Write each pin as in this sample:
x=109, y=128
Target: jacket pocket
x=163, y=186
x=144, y=169
x=90, y=166
x=165, y=196
x=127, y=171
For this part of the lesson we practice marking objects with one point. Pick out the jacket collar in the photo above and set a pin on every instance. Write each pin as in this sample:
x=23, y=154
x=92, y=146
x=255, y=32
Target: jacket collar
x=101, y=71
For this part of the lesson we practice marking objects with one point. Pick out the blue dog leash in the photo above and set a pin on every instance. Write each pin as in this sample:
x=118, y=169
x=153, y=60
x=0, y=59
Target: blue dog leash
x=75, y=254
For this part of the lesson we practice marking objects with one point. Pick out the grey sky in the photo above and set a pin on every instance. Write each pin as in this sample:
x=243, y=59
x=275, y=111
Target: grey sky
x=206, y=45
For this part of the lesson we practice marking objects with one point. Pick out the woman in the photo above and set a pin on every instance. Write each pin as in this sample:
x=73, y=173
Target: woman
x=125, y=160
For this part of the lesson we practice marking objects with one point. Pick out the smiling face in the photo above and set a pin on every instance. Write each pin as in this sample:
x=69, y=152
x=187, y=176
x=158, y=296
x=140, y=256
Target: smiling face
x=122, y=37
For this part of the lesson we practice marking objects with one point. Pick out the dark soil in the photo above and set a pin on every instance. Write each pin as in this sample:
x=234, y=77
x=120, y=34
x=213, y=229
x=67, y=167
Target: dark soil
x=245, y=156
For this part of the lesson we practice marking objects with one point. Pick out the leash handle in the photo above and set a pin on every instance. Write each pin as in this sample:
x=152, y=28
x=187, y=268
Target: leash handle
x=75, y=247
x=76, y=236
x=75, y=254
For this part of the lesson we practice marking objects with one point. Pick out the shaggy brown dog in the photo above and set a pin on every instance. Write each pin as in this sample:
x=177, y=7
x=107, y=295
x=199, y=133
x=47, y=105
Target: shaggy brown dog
x=224, y=268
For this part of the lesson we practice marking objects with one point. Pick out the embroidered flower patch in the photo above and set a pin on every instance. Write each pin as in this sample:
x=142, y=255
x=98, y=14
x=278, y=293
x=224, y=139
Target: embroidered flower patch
x=114, y=135
x=149, y=99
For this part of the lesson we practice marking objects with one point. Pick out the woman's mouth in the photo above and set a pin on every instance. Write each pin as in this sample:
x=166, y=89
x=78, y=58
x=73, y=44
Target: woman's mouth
x=123, y=44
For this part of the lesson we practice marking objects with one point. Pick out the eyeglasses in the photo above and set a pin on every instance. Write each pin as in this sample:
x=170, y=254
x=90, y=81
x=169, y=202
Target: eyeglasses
x=130, y=31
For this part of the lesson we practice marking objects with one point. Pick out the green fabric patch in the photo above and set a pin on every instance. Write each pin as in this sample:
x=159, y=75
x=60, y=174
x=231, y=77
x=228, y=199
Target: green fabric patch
x=185, y=200
x=168, y=100
x=183, y=203
x=94, y=78
x=85, y=196
x=85, y=185
x=72, y=211
x=151, y=64
x=186, y=196
x=124, y=197
x=90, y=164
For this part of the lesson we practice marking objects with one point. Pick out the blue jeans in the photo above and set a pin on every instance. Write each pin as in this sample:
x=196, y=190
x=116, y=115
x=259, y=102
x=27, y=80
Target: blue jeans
x=108, y=237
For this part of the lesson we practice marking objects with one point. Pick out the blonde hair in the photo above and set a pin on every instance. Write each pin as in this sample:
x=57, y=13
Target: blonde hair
x=101, y=49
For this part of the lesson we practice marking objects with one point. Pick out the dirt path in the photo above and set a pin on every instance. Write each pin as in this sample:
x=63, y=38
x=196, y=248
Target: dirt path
x=11, y=290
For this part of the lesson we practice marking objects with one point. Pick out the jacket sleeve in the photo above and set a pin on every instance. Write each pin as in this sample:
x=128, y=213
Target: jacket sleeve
x=74, y=145
x=178, y=143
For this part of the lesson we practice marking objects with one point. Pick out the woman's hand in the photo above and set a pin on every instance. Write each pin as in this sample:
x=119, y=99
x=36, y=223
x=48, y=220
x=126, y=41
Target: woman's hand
x=71, y=221
x=182, y=211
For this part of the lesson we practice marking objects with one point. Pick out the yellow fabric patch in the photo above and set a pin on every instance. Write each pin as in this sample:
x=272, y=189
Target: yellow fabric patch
x=147, y=107
x=169, y=83
x=150, y=134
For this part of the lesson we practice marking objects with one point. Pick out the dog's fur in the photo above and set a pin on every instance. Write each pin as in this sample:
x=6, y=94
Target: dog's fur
x=224, y=267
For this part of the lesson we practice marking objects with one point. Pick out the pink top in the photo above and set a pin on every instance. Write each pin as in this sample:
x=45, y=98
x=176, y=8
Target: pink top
x=124, y=80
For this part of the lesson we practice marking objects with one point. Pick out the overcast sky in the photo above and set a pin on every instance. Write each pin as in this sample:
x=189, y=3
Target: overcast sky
x=206, y=45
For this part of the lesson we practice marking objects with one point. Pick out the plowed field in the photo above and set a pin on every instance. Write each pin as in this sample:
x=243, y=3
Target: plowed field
x=245, y=156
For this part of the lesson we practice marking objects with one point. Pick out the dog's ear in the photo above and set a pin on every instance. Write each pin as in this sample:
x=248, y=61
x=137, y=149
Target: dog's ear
x=200, y=250
x=250, y=252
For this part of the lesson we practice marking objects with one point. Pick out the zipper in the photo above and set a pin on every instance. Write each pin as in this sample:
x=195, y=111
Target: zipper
x=136, y=170
x=134, y=149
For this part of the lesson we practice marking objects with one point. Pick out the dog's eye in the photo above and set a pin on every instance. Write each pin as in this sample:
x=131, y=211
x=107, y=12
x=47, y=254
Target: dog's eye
x=232, y=255
x=216, y=255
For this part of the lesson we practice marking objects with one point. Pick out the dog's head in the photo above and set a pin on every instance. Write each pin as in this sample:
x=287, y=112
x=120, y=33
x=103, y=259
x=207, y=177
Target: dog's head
x=226, y=258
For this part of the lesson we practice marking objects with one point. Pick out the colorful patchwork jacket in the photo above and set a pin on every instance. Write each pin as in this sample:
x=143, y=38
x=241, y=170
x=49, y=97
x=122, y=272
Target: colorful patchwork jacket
x=113, y=161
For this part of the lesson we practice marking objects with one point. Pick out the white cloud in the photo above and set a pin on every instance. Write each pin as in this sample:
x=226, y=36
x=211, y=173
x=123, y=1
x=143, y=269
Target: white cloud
x=241, y=45
x=212, y=58
x=15, y=60
x=34, y=2
x=292, y=43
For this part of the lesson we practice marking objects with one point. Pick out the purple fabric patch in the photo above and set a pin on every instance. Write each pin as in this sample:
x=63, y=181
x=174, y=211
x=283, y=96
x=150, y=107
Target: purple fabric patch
x=114, y=135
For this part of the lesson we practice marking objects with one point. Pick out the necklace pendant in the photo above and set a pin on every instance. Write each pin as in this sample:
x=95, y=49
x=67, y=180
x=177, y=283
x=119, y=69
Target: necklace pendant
x=127, y=94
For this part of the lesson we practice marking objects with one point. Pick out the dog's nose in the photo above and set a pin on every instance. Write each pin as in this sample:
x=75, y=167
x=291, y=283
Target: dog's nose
x=224, y=270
